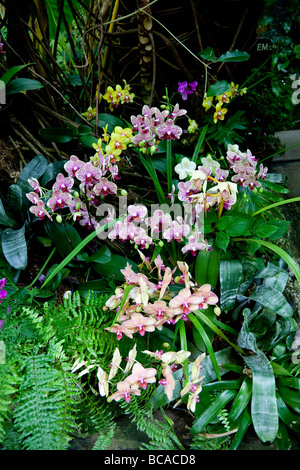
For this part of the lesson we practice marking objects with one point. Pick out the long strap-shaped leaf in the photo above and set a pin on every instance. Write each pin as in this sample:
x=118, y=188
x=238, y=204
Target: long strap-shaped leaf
x=212, y=410
x=283, y=254
x=264, y=411
x=230, y=280
x=207, y=343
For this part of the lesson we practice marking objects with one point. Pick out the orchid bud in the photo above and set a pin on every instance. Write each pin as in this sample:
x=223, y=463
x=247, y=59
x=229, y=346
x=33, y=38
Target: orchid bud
x=59, y=219
x=123, y=192
x=76, y=194
x=217, y=310
x=161, y=243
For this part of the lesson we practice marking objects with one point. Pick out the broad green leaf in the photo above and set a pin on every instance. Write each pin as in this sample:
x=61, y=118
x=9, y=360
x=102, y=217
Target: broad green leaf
x=234, y=56
x=218, y=88
x=265, y=230
x=112, y=269
x=57, y=134
x=108, y=120
x=235, y=225
x=275, y=187
x=66, y=238
x=273, y=300
x=14, y=247
x=208, y=54
x=263, y=404
x=290, y=397
x=53, y=169
x=19, y=85
x=231, y=272
x=102, y=256
x=4, y=218
x=6, y=77
x=222, y=240
x=34, y=169
x=207, y=267
x=87, y=140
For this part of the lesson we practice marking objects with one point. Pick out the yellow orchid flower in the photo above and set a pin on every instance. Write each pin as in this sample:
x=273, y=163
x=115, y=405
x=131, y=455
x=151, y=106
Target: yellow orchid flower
x=208, y=102
x=219, y=113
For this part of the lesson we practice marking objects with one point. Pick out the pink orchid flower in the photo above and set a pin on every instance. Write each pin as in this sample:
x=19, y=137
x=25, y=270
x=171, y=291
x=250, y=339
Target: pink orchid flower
x=123, y=392
x=139, y=323
x=208, y=297
x=187, y=301
x=140, y=376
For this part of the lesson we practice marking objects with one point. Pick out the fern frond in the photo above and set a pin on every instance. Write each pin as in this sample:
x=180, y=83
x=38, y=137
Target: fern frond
x=7, y=388
x=44, y=415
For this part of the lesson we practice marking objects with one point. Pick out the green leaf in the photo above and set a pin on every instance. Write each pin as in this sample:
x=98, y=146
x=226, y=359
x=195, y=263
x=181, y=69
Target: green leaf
x=265, y=230
x=222, y=240
x=211, y=412
x=53, y=169
x=14, y=247
x=34, y=169
x=208, y=54
x=4, y=218
x=57, y=134
x=112, y=268
x=234, y=56
x=65, y=237
x=282, y=228
x=218, y=88
x=80, y=247
x=87, y=140
x=273, y=300
x=19, y=85
x=292, y=420
x=243, y=424
x=109, y=120
x=263, y=404
x=241, y=400
x=231, y=272
x=283, y=254
x=207, y=267
x=6, y=77
x=102, y=256
x=235, y=225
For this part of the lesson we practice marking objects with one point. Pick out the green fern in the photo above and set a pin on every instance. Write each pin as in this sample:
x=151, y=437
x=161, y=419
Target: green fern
x=44, y=415
x=160, y=433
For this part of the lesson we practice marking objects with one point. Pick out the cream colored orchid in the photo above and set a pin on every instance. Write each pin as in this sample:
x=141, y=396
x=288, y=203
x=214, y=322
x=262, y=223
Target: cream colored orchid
x=115, y=364
x=131, y=359
x=177, y=357
x=103, y=383
x=185, y=168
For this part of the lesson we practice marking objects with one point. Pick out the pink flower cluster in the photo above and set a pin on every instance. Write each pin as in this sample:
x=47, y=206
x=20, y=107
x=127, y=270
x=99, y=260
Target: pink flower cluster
x=149, y=305
x=244, y=164
x=154, y=125
x=93, y=182
x=142, y=230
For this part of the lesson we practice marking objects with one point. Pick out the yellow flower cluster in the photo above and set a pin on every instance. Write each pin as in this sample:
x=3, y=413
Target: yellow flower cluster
x=118, y=95
x=220, y=111
x=114, y=97
x=112, y=146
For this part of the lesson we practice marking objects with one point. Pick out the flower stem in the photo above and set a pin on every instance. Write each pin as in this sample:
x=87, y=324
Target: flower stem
x=169, y=165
